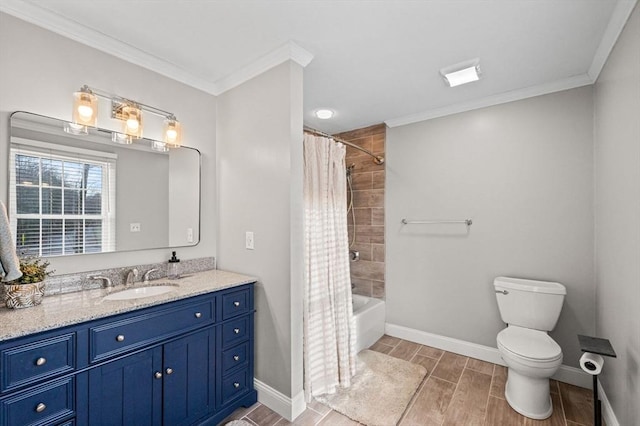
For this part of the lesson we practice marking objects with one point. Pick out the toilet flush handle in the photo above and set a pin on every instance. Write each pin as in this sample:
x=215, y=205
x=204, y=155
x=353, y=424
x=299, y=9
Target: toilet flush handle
x=502, y=291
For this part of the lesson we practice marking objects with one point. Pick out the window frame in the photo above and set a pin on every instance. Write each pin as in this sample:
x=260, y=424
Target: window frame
x=48, y=151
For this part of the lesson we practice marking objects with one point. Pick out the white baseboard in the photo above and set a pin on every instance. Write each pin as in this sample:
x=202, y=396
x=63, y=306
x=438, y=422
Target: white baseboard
x=607, y=411
x=566, y=374
x=289, y=408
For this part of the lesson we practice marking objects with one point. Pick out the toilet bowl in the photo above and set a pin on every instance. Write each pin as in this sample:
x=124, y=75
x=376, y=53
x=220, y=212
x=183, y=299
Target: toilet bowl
x=530, y=308
x=532, y=357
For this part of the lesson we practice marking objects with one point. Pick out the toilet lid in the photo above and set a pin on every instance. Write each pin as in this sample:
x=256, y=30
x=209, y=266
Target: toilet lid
x=527, y=343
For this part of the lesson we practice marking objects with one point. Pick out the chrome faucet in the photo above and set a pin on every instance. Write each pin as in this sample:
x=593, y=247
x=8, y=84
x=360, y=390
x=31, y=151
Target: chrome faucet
x=106, y=281
x=145, y=277
x=131, y=276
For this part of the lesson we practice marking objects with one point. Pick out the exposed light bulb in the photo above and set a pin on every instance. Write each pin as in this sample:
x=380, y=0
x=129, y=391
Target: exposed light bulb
x=171, y=135
x=85, y=107
x=133, y=124
x=172, y=132
x=85, y=111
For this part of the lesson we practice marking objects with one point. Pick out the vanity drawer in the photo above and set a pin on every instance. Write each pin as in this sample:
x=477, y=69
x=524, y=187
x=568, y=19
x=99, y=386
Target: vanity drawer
x=234, y=357
x=41, y=359
x=235, y=303
x=235, y=331
x=141, y=330
x=234, y=385
x=46, y=404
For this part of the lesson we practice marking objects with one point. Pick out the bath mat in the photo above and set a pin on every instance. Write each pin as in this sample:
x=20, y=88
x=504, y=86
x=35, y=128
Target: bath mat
x=380, y=391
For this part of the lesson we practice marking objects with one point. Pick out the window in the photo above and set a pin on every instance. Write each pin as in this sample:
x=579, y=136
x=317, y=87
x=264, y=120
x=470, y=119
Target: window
x=62, y=202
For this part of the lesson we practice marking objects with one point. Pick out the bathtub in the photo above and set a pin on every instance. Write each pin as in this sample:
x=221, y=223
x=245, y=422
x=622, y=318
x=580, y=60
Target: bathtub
x=369, y=315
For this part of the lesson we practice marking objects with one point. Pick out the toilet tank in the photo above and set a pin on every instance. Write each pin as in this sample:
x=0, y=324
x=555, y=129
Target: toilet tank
x=529, y=303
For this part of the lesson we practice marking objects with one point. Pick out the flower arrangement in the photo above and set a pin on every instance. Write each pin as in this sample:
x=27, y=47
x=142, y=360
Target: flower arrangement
x=34, y=270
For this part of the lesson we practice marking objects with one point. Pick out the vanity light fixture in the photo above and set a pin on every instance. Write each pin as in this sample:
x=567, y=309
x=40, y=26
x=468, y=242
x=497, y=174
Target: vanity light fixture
x=131, y=116
x=85, y=107
x=121, y=138
x=172, y=132
x=85, y=113
x=324, y=114
x=75, y=129
x=159, y=146
x=462, y=73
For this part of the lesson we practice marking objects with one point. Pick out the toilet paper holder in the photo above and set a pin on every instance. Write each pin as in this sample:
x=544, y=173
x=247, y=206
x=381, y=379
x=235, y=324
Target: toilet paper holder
x=596, y=348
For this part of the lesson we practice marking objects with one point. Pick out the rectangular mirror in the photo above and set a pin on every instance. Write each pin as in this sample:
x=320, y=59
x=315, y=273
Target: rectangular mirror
x=78, y=192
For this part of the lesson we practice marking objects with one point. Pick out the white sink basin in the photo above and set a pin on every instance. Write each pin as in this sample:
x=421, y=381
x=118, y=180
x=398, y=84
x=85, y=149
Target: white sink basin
x=140, y=292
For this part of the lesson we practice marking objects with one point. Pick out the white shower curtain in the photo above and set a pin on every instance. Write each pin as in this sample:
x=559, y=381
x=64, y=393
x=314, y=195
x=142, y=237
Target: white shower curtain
x=329, y=328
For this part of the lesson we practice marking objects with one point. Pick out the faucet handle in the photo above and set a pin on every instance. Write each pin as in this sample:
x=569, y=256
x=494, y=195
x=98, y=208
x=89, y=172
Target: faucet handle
x=106, y=281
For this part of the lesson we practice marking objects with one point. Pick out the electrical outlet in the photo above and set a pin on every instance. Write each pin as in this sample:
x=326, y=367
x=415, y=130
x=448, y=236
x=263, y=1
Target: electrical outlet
x=134, y=227
x=189, y=235
x=249, y=240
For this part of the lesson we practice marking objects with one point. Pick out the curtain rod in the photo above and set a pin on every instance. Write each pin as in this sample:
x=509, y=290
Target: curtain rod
x=378, y=159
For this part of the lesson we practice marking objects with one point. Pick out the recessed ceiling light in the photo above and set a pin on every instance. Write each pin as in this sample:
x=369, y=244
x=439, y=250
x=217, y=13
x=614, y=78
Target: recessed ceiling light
x=462, y=73
x=324, y=114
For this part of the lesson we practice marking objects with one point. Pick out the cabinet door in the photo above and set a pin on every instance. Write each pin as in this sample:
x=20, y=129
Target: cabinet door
x=189, y=378
x=126, y=391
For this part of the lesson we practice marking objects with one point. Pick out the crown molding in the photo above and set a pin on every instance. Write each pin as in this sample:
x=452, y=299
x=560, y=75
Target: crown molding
x=501, y=98
x=619, y=18
x=288, y=51
x=66, y=27
x=71, y=29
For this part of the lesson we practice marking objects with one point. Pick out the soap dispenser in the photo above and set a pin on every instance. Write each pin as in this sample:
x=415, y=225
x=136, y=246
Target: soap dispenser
x=173, y=268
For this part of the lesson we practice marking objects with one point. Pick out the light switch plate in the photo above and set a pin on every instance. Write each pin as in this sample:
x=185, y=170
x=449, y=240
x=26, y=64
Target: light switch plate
x=249, y=240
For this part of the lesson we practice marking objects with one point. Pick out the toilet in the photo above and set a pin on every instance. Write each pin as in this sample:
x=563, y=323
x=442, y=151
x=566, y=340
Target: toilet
x=530, y=309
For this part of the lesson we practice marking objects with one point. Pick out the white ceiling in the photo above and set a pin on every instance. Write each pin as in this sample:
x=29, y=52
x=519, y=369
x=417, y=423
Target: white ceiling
x=373, y=61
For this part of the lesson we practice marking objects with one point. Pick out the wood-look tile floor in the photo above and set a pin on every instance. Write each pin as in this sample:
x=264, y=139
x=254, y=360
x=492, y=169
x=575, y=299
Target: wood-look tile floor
x=457, y=390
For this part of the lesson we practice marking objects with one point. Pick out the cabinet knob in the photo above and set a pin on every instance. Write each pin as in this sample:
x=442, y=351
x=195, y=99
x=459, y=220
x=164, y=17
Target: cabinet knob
x=236, y=385
x=236, y=304
x=236, y=330
x=169, y=371
x=41, y=361
x=158, y=375
x=40, y=408
x=198, y=314
x=120, y=337
x=236, y=358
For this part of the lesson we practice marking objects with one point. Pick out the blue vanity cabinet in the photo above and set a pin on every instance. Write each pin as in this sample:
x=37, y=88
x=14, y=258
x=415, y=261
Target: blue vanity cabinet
x=187, y=362
x=172, y=384
x=37, y=382
x=126, y=391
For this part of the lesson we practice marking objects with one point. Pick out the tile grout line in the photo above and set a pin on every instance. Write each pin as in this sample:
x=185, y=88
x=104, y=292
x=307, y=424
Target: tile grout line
x=420, y=387
x=248, y=420
x=486, y=408
x=454, y=391
x=564, y=415
x=322, y=416
x=256, y=405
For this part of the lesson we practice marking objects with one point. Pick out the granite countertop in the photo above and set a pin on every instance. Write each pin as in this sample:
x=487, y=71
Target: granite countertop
x=74, y=308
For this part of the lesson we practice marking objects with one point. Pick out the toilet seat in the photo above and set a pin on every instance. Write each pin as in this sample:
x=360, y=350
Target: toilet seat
x=530, y=346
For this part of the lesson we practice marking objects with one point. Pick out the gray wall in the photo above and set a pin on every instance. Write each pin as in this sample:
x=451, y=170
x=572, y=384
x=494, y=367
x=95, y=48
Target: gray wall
x=523, y=171
x=259, y=185
x=617, y=200
x=139, y=172
x=39, y=71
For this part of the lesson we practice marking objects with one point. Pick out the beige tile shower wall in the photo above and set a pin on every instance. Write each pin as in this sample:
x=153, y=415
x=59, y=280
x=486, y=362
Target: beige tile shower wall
x=367, y=274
